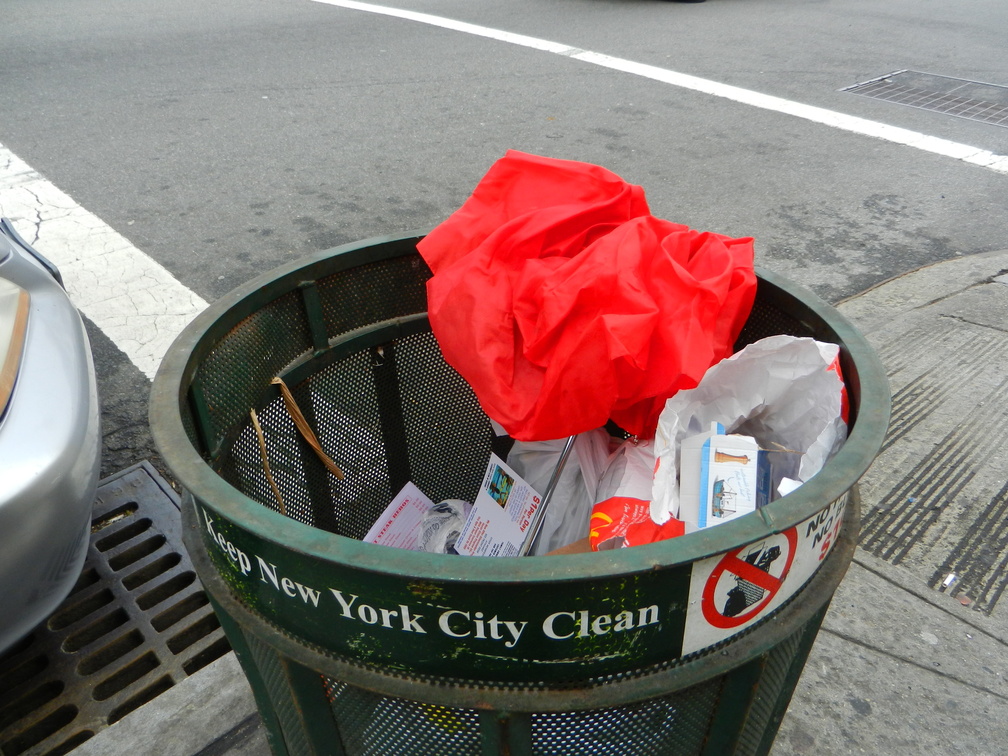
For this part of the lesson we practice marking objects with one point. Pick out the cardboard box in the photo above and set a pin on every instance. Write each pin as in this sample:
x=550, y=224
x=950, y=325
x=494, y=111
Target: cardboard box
x=721, y=477
x=582, y=546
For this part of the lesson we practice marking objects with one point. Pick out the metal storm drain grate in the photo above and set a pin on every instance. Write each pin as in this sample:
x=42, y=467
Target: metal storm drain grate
x=942, y=94
x=136, y=623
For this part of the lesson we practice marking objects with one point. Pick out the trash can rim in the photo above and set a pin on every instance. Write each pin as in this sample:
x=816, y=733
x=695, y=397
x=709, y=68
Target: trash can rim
x=197, y=477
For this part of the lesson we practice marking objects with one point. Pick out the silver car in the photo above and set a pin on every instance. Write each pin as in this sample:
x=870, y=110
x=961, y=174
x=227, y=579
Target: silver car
x=50, y=443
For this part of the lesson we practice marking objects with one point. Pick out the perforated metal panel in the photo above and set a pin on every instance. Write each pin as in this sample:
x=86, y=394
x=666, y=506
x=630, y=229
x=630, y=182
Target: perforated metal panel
x=373, y=292
x=669, y=724
x=386, y=415
x=240, y=367
x=375, y=725
x=767, y=320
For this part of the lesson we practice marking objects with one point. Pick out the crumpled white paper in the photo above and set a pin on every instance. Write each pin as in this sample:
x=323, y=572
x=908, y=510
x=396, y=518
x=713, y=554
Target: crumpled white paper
x=781, y=390
x=441, y=525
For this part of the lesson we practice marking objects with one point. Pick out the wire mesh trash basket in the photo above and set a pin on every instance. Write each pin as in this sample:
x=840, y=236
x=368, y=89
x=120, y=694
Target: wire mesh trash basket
x=690, y=645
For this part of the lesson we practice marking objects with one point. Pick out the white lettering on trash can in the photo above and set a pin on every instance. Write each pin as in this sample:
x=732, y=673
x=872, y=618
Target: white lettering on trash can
x=463, y=625
x=268, y=573
x=363, y=612
x=581, y=624
x=235, y=554
x=459, y=624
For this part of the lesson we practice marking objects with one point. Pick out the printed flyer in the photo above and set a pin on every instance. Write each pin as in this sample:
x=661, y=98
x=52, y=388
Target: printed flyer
x=399, y=524
x=502, y=513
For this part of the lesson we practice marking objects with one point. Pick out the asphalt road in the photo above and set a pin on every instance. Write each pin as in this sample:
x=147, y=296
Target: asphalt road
x=224, y=138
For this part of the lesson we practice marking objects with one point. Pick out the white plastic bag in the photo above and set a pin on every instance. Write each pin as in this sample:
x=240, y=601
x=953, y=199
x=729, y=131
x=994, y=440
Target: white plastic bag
x=784, y=391
x=621, y=516
x=566, y=518
x=628, y=472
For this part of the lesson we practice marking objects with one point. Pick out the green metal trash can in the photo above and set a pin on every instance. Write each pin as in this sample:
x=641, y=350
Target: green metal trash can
x=352, y=648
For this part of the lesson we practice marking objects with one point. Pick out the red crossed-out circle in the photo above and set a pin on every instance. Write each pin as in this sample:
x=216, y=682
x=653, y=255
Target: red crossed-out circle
x=731, y=563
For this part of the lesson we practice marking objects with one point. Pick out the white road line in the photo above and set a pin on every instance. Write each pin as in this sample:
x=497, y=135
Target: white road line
x=894, y=134
x=130, y=297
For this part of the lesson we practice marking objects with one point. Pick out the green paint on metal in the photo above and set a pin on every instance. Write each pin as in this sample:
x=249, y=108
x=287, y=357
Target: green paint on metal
x=201, y=417
x=313, y=311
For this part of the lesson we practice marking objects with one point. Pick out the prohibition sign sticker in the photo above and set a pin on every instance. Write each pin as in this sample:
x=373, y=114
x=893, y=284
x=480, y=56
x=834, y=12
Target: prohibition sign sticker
x=746, y=580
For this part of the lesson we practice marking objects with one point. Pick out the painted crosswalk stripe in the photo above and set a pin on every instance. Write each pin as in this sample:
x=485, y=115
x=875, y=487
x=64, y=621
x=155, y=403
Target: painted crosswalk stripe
x=134, y=300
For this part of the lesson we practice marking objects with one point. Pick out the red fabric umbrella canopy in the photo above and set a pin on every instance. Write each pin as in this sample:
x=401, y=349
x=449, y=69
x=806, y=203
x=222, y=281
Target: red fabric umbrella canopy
x=565, y=303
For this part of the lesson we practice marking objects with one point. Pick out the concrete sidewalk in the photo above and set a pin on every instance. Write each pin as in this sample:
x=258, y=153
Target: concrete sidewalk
x=913, y=655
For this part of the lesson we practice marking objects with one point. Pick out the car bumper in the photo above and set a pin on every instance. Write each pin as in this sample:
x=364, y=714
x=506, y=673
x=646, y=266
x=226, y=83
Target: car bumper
x=50, y=453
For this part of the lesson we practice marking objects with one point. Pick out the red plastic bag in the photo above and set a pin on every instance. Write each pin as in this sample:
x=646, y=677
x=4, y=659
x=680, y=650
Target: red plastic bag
x=621, y=516
x=621, y=522
x=564, y=303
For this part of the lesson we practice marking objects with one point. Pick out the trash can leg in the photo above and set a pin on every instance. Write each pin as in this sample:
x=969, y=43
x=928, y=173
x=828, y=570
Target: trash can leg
x=289, y=696
x=737, y=694
x=274, y=735
x=297, y=698
x=791, y=681
x=505, y=733
x=314, y=715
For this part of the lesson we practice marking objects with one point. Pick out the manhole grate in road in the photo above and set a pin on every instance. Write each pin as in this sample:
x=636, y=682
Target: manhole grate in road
x=974, y=100
x=136, y=623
